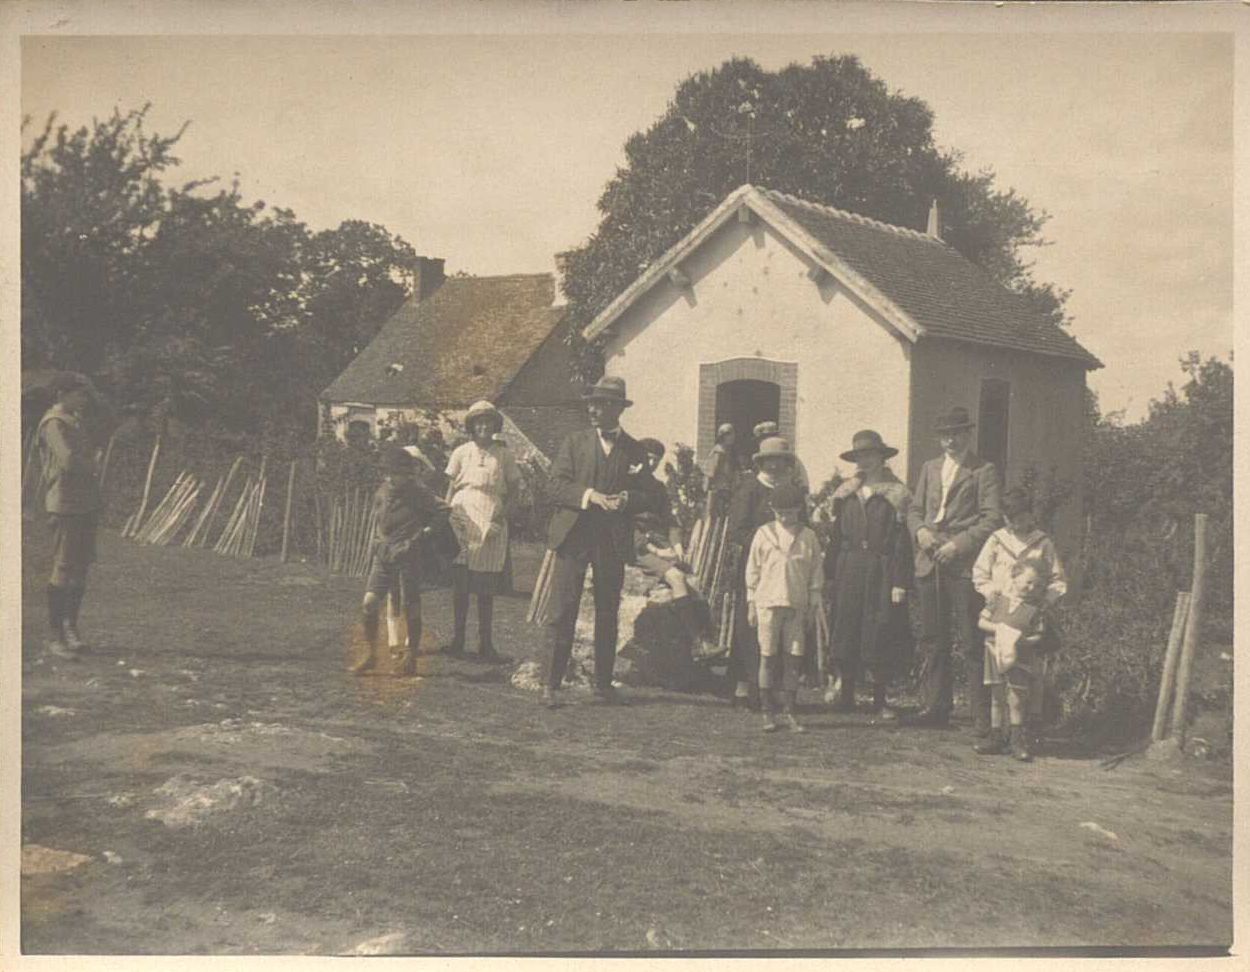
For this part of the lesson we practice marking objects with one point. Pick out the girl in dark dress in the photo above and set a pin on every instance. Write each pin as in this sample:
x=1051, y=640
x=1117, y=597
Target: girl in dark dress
x=869, y=570
x=750, y=509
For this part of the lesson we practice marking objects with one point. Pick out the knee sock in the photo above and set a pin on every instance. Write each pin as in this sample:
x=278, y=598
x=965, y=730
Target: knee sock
x=791, y=674
x=878, y=692
x=369, y=619
x=790, y=701
x=998, y=703
x=485, y=619
x=73, y=602
x=56, y=610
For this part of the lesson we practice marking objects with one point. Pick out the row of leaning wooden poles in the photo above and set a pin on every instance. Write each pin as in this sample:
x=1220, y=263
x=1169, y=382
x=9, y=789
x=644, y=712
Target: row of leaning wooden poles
x=1183, y=643
x=343, y=531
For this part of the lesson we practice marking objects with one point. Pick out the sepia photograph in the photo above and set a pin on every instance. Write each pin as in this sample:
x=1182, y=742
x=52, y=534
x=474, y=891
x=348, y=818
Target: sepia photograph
x=605, y=486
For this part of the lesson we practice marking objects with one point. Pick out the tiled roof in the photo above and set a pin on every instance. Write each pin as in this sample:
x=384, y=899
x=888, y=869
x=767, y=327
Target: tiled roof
x=463, y=343
x=942, y=291
x=923, y=286
x=546, y=426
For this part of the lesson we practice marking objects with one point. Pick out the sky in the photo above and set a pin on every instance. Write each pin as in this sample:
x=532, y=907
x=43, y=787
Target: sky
x=492, y=151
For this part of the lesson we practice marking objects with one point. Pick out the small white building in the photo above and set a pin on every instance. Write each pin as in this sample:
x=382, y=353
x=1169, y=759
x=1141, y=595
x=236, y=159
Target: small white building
x=828, y=322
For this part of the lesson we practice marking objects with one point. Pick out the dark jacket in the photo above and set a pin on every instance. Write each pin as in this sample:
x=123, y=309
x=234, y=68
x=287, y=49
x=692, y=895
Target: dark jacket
x=972, y=510
x=581, y=465
x=403, y=511
x=69, y=469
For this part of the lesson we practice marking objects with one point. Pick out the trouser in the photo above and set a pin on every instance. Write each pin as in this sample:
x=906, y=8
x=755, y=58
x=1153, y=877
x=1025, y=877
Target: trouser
x=946, y=596
x=568, y=579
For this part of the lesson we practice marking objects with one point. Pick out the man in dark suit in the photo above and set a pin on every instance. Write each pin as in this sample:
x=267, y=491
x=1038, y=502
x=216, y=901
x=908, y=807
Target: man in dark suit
x=592, y=527
x=955, y=508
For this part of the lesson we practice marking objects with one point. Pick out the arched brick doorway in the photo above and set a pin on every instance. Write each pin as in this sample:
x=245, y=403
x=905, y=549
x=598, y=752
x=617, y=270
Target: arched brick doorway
x=744, y=391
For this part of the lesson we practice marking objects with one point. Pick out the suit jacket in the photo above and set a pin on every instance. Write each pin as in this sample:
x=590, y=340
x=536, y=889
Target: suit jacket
x=972, y=510
x=573, y=472
x=69, y=470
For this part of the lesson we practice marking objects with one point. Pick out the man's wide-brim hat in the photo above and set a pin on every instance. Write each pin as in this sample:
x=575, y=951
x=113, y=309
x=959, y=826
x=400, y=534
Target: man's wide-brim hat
x=480, y=410
x=954, y=420
x=868, y=441
x=774, y=447
x=608, y=389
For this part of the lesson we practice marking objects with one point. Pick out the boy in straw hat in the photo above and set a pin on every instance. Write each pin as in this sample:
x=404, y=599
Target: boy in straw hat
x=783, y=589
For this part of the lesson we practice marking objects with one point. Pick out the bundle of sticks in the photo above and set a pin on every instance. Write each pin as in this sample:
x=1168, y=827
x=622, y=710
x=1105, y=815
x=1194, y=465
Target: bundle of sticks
x=197, y=536
x=537, y=613
x=349, y=543
x=712, y=561
x=171, y=513
x=238, y=537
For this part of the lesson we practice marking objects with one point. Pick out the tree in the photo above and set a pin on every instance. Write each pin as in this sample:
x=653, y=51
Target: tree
x=189, y=302
x=830, y=132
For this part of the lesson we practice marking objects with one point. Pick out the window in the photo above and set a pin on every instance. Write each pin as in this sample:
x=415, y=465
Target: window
x=992, y=423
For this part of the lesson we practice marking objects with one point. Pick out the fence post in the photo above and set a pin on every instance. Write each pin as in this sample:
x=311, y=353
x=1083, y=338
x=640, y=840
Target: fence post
x=1192, y=628
x=286, y=516
x=1168, y=679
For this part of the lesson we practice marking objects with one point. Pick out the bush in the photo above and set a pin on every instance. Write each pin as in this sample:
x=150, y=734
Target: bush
x=687, y=488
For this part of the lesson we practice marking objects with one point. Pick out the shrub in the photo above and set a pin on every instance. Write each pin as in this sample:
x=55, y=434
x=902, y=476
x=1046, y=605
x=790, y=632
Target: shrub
x=687, y=488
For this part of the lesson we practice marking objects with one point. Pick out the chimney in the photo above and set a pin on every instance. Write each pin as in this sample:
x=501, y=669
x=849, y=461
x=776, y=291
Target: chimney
x=558, y=299
x=935, y=221
x=428, y=277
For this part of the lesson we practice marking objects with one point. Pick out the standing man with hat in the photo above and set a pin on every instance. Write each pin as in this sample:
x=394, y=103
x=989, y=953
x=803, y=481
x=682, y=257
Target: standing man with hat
x=72, y=502
x=592, y=527
x=954, y=510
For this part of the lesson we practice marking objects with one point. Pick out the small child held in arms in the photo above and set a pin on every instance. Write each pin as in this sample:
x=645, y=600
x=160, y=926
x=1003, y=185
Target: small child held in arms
x=784, y=577
x=404, y=514
x=658, y=553
x=1018, y=572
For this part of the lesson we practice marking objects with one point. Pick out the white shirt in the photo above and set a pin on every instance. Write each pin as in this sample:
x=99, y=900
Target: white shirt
x=950, y=468
x=784, y=567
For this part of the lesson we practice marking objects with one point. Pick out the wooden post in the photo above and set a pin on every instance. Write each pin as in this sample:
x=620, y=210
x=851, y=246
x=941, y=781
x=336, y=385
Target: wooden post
x=1168, y=680
x=1193, y=627
x=286, y=515
x=104, y=465
x=147, y=484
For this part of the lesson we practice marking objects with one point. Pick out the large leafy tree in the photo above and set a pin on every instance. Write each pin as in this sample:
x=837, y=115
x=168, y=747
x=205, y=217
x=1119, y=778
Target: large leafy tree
x=828, y=131
x=188, y=300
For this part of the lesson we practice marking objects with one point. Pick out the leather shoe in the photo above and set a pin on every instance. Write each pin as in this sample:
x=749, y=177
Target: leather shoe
x=610, y=696
x=927, y=719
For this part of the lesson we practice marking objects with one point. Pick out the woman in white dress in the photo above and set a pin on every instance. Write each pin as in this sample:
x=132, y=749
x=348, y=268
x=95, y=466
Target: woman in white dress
x=484, y=481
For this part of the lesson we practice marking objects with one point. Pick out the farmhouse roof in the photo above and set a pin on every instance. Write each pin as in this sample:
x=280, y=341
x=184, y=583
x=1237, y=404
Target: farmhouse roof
x=463, y=343
x=921, y=285
x=546, y=426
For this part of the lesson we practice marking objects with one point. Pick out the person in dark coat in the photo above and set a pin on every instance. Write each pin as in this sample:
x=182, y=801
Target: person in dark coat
x=749, y=509
x=869, y=570
x=954, y=510
x=721, y=471
x=72, y=501
x=592, y=527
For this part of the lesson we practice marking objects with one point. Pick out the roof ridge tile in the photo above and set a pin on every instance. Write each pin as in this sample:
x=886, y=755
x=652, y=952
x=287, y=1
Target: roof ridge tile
x=847, y=214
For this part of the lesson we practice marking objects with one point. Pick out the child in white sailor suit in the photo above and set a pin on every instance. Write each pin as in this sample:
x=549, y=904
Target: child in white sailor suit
x=784, y=577
x=1000, y=575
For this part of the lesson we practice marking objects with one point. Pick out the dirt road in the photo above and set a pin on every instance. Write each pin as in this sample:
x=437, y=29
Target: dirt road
x=231, y=790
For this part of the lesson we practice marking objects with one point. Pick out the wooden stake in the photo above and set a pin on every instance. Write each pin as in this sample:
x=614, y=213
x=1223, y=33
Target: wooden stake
x=1167, y=681
x=317, y=521
x=544, y=570
x=286, y=515
x=213, y=498
x=1193, y=627
x=202, y=540
x=104, y=465
x=147, y=488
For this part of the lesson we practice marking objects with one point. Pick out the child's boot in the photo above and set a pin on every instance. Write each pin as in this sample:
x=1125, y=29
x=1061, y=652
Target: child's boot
x=769, y=703
x=995, y=744
x=367, y=660
x=787, y=715
x=1020, y=748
